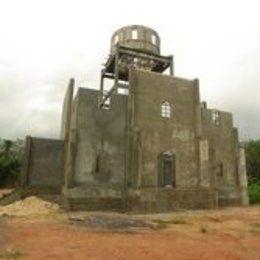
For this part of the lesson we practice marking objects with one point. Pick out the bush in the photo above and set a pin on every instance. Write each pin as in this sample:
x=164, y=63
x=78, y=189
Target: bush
x=11, y=159
x=252, y=149
x=254, y=191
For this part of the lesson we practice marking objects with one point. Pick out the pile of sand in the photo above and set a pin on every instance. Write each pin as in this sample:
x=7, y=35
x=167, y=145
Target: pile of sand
x=31, y=206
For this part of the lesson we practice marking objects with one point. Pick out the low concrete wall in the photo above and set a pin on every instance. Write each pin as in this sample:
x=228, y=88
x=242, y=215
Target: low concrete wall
x=164, y=200
x=43, y=165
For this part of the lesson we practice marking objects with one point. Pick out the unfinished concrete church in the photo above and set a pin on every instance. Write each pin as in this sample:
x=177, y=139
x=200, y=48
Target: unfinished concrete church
x=143, y=142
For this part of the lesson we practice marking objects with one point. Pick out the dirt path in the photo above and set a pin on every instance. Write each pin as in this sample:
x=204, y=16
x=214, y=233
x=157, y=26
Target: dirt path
x=2, y=233
x=226, y=234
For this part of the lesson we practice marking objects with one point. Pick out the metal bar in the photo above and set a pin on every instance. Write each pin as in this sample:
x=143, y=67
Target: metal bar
x=139, y=51
x=116, y=68
x=146, y=56
x=109, y=76
x=110, y=92
x=124, y=86
x=102, y=82
x=109, y=61
x=171, y=66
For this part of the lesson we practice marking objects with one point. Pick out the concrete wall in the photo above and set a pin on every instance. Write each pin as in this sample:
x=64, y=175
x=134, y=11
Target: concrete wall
x=98, y=159
x=101, y=133
x=167, y=199
x=112, y=155
x=223, y=155
x=153, y=134
x=43, y=163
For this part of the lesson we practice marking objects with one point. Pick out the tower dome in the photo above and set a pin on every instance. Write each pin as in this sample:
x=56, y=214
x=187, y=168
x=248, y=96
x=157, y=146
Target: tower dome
x=136, y=37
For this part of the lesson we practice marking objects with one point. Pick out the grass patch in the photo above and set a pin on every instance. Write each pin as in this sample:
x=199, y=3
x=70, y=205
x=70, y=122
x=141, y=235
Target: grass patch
x=11, y=254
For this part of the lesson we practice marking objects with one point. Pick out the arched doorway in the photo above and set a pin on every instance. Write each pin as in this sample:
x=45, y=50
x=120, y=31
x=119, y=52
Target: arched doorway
x=166, y=170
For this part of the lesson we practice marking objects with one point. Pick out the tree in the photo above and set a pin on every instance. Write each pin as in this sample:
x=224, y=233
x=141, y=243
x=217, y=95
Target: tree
x=11, y=158
x=252, y=149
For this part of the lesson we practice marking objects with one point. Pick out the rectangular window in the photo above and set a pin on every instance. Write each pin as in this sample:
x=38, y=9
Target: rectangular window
x=134, y=35
x=116, y=39
x=153, y=39
x=215, y=116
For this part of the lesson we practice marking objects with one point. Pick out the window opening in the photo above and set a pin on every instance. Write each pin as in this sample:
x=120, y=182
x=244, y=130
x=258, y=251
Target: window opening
x=134, y=35
x=166, y=110
x=107, y=103
x=220, y=172
x=116, y=39
x=153, y=39
x=215, y=117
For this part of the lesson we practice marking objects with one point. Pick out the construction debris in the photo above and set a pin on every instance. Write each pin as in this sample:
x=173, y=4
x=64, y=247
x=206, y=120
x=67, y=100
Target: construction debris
x=112, y=221
x=31, y=206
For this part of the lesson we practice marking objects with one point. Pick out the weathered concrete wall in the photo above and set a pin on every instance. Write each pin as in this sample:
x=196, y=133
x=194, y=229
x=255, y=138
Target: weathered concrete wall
x=99, y=148
x=101, y=136
x=153, y=134
x=222, y=161
x=43, y=163
x=112, y=155
x=167, y=199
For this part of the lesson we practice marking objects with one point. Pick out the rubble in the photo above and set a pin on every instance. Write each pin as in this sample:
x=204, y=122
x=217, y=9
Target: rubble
x=30, y=206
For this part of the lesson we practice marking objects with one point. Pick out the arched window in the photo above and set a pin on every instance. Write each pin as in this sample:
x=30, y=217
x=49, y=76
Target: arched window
x=166, y=109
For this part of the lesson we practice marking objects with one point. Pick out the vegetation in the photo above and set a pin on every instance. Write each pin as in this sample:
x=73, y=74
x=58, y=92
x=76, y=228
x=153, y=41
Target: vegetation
x=11, y=158
x=254, y=191
x=11, y=254
x=253, y=169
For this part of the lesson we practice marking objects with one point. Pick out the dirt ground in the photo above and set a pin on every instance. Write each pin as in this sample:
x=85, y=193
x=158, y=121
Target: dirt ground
x=232, y=233
x=4, y=192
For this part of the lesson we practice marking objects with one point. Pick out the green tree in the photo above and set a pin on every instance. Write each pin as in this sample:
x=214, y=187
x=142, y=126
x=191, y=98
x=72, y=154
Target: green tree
x=11, y=158
x=252, y=149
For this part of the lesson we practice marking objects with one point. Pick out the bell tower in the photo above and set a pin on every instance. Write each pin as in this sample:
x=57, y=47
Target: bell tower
x=131, y=46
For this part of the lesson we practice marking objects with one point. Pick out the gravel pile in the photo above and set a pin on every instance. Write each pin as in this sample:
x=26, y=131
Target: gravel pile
x=31, y=206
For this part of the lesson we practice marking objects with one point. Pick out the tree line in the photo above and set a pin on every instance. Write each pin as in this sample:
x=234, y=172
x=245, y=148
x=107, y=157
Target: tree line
x=11, y=160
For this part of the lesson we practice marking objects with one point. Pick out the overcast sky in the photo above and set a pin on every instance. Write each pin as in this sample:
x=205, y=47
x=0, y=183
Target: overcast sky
x=43, y=43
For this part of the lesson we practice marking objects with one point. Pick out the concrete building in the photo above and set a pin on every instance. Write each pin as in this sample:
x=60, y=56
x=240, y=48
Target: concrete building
x=143, y=142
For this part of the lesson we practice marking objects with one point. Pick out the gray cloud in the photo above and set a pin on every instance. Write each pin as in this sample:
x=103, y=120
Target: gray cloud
x=47, y=43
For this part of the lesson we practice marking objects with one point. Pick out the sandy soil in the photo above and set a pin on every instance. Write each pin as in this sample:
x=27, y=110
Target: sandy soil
x=4, y=192
x=232, y=233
